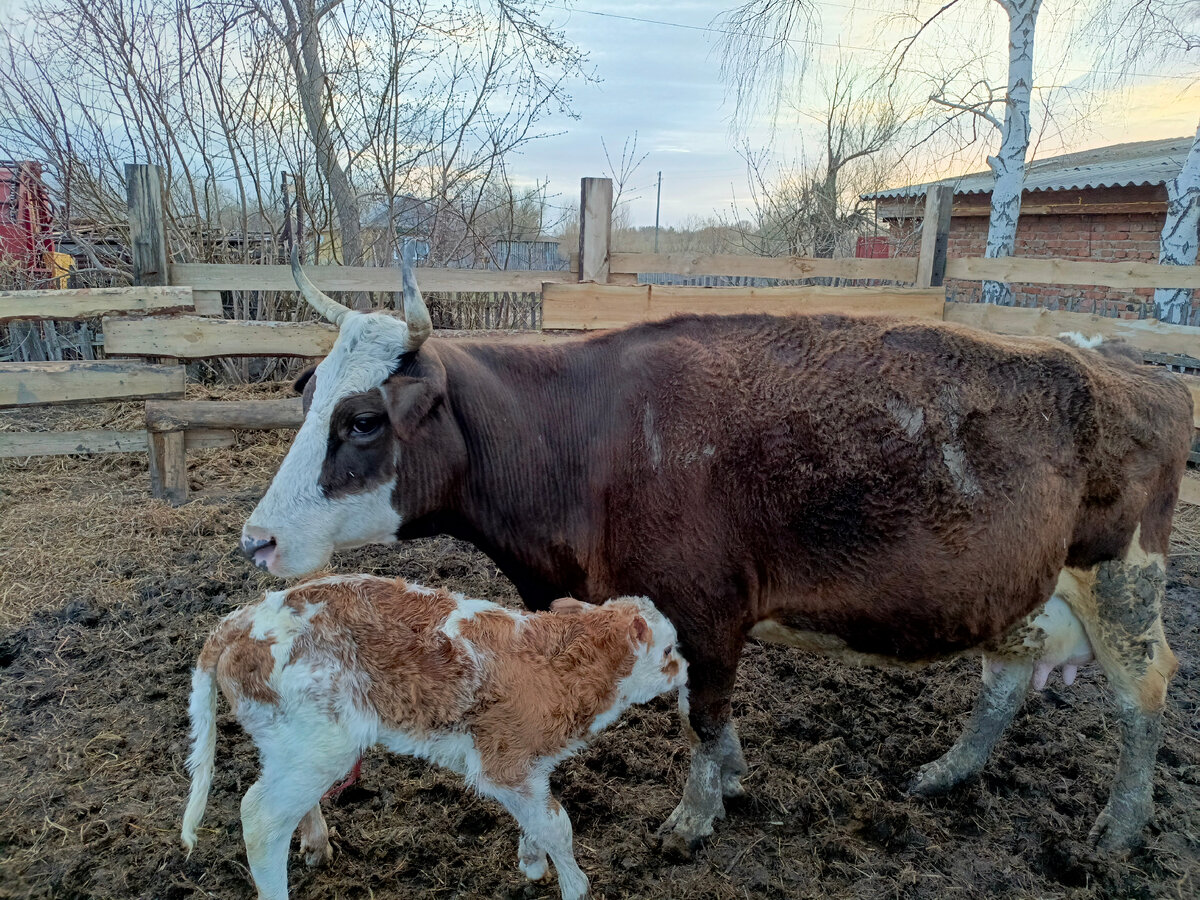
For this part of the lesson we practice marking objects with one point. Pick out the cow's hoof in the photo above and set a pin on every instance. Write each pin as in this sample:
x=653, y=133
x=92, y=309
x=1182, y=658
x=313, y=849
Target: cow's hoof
x=677, y=848
x=682, y=834
x=934, y=779
x=731, y=787
x=1116, y=833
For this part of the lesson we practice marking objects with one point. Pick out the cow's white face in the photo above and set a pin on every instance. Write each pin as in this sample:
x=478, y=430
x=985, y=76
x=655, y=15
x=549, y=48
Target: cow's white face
x=318, y=503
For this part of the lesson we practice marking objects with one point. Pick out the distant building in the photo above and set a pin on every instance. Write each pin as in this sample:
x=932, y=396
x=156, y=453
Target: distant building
x=1106, y=204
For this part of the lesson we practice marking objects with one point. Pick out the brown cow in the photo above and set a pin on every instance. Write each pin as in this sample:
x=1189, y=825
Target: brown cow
x=869, y=487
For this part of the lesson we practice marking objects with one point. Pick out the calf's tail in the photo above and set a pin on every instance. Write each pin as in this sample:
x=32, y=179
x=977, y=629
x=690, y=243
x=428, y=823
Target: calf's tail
x=203, y=712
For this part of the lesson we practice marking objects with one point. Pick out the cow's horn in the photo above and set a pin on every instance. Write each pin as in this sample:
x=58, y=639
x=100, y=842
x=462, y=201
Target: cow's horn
x=416, y=313
x=322, y=303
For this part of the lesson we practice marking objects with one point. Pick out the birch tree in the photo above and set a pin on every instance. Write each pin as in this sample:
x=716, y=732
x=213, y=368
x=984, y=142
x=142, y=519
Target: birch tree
x=1180, y=232
x=1011, y=125
x=1132, y=32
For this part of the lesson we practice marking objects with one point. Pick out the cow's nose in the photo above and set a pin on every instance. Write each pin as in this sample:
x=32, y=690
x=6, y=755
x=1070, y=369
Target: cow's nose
x=258, y=550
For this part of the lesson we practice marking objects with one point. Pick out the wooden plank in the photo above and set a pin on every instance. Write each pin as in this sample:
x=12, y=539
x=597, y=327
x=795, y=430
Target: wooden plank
x=246, y=415
x=208, y=303
x=1193, y=385
x=900, y=268
x=65, y=443
x=588, y=306
x=1022, y=270
x=595, y=228
x=1189, y=491
x=237, y=277
x=935, y=236
x=191, y=337
x=88, y=442
x=36, y=384
x=1145, y=334
x=147, y=224
x=168, y=467
x=88, y=303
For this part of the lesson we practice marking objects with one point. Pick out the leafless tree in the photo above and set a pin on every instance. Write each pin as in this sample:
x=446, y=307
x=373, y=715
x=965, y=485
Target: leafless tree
x=370, y=105
x=764, y=50
x=1130, y=33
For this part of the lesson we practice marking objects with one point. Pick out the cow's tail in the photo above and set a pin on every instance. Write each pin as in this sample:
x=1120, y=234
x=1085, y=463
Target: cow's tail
x=203, y=712
x=1115, y=349
x=1080, y=340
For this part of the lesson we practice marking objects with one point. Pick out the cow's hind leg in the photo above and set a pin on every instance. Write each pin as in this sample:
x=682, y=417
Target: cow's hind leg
x=1005, y=682
x=1120, y=605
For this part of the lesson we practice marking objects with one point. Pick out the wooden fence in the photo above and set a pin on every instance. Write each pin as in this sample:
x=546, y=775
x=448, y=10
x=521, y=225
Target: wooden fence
x=174, y=313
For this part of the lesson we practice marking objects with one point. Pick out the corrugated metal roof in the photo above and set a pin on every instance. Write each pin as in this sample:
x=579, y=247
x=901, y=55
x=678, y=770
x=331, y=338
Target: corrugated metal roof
x=1118, y=165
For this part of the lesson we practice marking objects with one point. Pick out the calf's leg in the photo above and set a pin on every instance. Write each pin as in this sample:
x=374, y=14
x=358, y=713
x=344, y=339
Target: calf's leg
x=545, y=829
x=294, y=776
x=314, y=837
x=1120, y=605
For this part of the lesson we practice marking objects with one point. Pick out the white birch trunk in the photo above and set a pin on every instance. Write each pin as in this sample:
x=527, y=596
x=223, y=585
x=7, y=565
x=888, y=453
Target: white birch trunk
x=1180, y=234
x=1008, y=165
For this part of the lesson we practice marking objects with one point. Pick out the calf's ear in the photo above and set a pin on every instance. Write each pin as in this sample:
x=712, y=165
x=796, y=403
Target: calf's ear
x=640, y=630
x=409, y=401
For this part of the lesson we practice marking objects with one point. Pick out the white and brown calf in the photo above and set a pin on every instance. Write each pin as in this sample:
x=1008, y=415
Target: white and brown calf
x=321, y=672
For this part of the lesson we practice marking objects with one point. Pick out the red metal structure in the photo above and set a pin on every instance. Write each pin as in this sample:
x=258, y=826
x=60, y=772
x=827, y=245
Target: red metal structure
x=26, y=216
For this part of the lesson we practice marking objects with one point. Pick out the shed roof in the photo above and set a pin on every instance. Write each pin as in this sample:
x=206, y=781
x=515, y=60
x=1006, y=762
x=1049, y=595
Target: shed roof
x=1118, y=165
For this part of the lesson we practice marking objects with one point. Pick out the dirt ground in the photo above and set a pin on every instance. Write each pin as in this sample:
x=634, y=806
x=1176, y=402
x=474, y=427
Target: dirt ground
x=106, y=596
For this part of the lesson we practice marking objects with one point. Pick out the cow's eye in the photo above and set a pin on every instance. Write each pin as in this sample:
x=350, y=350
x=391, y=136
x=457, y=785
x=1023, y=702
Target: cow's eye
x=366, y=424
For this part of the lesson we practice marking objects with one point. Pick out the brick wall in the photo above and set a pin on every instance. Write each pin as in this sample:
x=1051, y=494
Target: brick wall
x=1109, y=238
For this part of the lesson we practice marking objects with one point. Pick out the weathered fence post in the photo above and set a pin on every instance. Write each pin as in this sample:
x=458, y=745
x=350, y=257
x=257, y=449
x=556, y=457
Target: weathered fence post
x=935, y=236
x=595, y=228
x=148, y=247
x=147, y=225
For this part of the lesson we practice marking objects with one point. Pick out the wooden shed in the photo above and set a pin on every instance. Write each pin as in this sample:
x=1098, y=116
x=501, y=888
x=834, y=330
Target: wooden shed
x=1105, y=204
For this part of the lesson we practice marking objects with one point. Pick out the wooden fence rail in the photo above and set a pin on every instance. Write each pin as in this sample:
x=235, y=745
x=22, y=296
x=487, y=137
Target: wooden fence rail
x=601, y=291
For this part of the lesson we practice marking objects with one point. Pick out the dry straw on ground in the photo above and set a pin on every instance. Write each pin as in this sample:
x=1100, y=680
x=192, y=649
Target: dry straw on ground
x=105, y=597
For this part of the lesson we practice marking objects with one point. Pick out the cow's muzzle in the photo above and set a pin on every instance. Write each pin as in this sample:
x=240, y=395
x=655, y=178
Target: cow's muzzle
x=259, y=550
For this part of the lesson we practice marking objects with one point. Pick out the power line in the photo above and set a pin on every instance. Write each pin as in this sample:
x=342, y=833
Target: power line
x=814, y=43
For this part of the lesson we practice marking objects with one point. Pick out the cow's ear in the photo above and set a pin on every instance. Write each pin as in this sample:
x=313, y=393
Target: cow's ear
x=640, y=630
x=409, y=401
x=302, y=379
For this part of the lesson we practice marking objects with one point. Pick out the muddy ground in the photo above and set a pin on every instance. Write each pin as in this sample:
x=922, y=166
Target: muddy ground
x=105, y=597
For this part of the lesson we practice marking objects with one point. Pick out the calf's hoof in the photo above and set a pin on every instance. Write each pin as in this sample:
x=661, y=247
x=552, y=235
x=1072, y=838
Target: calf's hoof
x=684, y=832
x=534, y=870
x=317, y=856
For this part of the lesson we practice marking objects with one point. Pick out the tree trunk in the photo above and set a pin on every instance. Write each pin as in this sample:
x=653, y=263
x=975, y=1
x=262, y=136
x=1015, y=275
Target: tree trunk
x=311, y=87
x=1008, y=165
x=1179, y=237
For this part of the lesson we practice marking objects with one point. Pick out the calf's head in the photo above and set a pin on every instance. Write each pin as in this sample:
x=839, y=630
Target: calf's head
x=369, y=401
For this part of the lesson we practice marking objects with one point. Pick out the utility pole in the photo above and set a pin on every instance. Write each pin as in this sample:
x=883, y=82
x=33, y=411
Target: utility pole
x=657, y=209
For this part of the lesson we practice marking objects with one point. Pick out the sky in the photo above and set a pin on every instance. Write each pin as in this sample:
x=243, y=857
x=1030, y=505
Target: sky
x=659, y=78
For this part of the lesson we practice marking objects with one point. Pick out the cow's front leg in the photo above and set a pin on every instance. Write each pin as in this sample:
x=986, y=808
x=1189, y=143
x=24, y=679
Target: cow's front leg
x=717, y=763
